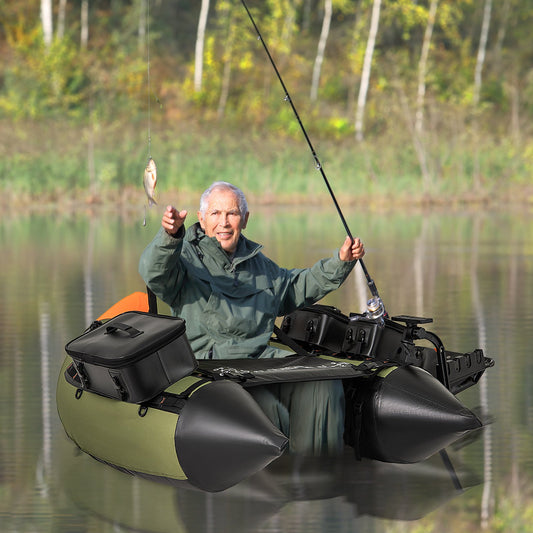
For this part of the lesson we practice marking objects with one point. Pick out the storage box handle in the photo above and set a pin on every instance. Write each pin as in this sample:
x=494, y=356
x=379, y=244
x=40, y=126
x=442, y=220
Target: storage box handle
x=130, y=330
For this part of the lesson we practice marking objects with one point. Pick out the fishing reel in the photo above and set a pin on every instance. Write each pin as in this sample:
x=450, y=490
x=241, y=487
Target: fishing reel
x=375, y=308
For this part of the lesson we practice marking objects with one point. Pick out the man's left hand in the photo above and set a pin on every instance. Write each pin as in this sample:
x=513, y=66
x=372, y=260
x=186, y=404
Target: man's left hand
x=351, y=250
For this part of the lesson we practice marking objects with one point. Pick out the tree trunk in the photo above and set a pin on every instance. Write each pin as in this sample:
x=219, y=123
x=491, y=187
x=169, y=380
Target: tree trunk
x=288, y=28
x=61, y=16
x=367, y=66
x=199, y=50
x=352, y=92
x=84, y=34
x=46, y=21
x=422, y=67
x=306, y=17
x=502, y=30
x=226, y=74
x=144, y=6
x=477, y=89
x=482, y=50
x=328, y=9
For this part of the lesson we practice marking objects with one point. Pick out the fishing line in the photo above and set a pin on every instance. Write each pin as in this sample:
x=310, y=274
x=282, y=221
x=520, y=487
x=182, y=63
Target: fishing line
x=148, y=78
x=318, y=164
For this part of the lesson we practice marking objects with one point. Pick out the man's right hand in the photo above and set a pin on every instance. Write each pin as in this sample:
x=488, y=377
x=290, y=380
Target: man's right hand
x=173, y=219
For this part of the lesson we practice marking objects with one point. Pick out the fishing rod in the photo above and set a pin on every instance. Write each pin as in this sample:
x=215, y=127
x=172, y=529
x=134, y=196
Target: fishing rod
x=377, y=305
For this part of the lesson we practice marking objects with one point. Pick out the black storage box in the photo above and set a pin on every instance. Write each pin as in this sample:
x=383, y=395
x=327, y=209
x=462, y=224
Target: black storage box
x=134, y=356
x=325, y=327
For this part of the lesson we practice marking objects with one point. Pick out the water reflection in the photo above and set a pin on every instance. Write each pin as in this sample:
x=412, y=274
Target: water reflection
x=471, y=272
x=479, y=314
x=357, y=489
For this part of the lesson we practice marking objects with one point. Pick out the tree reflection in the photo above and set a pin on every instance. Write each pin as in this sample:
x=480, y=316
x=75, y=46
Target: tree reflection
x=472, y=272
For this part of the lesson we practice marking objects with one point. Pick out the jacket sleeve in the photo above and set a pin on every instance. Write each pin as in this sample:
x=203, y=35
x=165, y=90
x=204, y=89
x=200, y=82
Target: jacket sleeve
x=309, y=285
x=160, y=265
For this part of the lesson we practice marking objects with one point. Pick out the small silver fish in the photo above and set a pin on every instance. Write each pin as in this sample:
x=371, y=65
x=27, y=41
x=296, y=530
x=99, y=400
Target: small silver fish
x=150, y=181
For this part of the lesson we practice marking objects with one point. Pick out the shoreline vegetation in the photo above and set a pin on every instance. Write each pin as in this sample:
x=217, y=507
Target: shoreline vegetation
x=60, y=165
x=129, y=199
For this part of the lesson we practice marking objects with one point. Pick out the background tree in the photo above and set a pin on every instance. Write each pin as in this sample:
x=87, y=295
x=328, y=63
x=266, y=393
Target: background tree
x=228, y=10
x=367, y=67
x=199, y=49
x=144, y=14
x=61, y=18
x=328, y=10
x=84, y=24
x=480, y=60
x=421, y=94
x=46, y=19
x=482, y=50
x=423, y=65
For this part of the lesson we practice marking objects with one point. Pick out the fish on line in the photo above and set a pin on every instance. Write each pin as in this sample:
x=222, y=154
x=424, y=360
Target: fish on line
x=150, y=181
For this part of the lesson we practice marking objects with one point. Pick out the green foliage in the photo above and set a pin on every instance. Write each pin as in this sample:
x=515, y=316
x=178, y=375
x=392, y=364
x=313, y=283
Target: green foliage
x=509, y=516
x=105, y=88
x=405, y=15
x=41, y=80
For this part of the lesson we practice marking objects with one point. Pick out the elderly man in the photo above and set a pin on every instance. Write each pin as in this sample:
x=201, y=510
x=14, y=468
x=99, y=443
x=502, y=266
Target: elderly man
x=230, y=294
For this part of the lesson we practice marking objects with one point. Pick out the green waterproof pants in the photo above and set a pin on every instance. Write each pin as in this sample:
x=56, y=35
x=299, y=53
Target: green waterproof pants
x=310, y=414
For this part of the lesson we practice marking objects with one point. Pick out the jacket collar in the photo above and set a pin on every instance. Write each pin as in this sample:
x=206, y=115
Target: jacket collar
x=245, y=247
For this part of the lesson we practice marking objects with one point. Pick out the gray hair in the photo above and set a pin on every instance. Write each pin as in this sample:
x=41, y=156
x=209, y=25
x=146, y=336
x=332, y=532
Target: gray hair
x=224, y=185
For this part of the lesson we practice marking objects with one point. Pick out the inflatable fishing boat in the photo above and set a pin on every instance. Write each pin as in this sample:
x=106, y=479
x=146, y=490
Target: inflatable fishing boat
x=132, y=395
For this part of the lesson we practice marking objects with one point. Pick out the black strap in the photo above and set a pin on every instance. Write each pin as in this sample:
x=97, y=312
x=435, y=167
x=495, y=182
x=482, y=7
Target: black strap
x=290, y=342
x=171, y=402
x=152, y=301
x=126, y=328
x=353, y=419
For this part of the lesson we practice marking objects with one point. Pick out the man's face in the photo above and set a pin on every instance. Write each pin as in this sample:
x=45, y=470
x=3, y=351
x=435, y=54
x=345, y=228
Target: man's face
x=222, y=219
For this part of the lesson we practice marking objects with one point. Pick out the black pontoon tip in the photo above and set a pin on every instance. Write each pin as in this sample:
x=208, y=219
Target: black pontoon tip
x=223, y=437
x=409, y=416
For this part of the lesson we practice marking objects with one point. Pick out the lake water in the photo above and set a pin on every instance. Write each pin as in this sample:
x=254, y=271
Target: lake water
x=472, y=272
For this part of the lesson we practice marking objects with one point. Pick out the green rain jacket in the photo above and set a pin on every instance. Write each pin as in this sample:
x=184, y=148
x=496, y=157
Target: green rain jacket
x=230, y=304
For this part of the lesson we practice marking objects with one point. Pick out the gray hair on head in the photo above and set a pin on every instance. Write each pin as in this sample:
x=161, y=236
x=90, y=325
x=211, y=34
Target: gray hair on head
x=224, y=185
